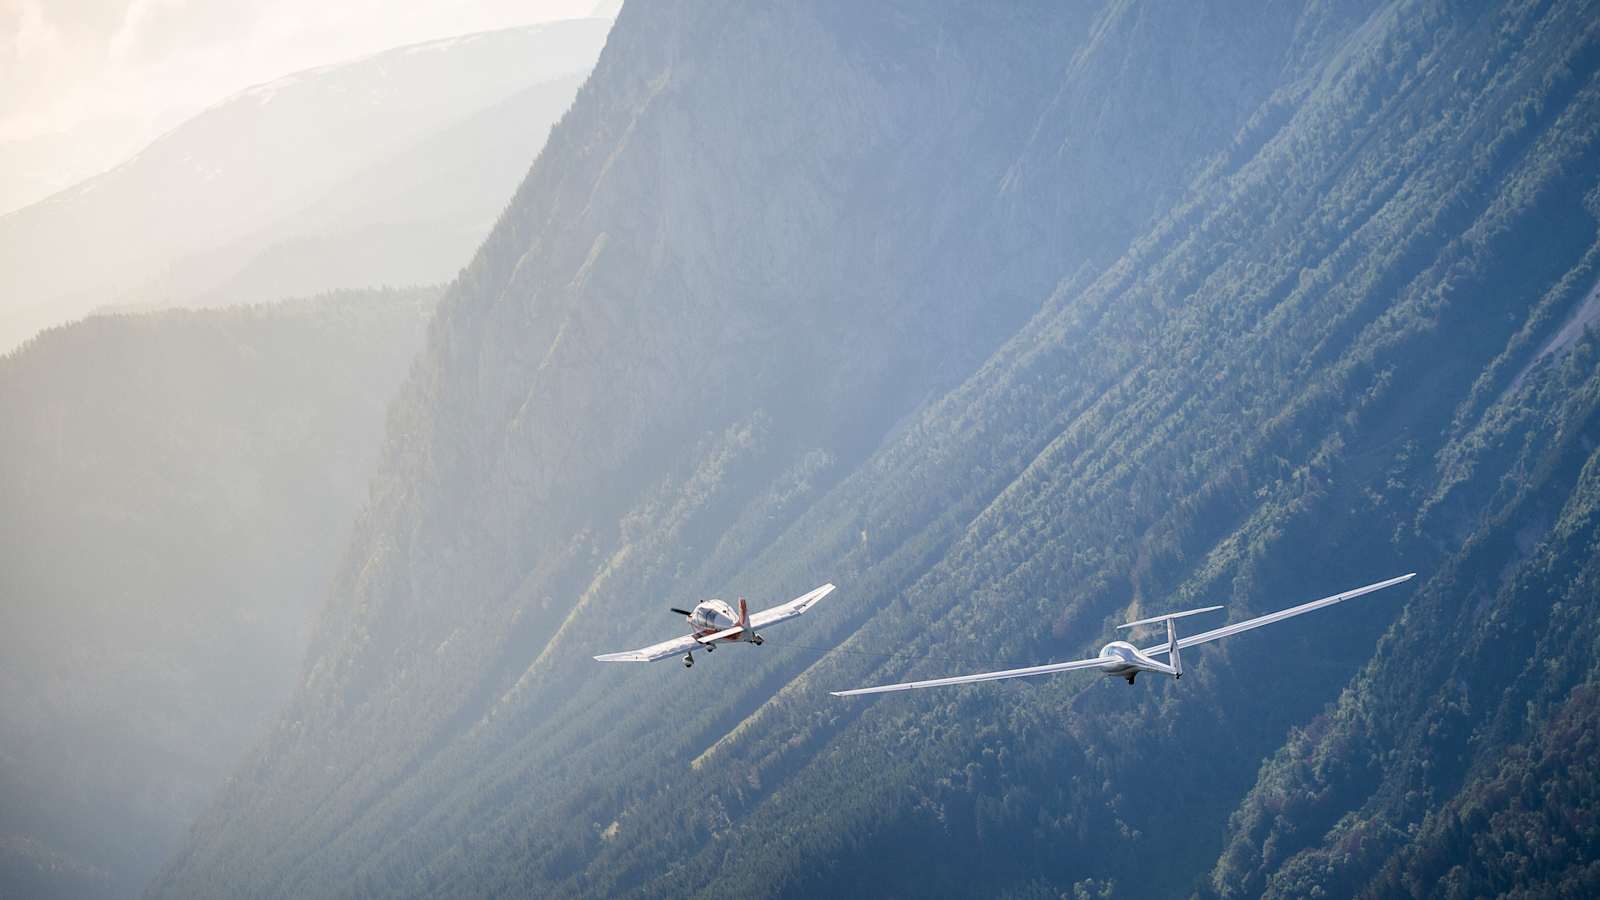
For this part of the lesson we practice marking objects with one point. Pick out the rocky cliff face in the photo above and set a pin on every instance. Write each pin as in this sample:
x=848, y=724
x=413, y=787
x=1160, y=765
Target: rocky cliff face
x=1009, y=322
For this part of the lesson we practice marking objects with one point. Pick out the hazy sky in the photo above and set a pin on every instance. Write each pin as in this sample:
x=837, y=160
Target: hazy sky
x=84, y=83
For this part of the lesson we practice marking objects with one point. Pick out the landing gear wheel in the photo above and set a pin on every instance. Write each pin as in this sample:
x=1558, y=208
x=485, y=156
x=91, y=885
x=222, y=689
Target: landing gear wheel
x=688, y=660
x=757, y=639
x=710, y=647
x=1132, y=676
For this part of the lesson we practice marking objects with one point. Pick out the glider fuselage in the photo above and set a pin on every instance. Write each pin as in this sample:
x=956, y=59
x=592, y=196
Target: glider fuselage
x=1123, y=660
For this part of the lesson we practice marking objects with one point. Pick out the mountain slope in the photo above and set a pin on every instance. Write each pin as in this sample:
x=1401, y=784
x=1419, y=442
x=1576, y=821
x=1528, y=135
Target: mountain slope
x=940, y=304
x=171, y=516
x=1420, y=779
x=452, y=184
x=189, y=214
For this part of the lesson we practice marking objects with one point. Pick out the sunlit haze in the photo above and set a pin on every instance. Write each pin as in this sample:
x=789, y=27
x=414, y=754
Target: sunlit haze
x=83, y=83
x=804, y=449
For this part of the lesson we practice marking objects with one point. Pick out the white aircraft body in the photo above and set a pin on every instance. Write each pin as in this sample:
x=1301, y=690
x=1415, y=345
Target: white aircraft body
x=714, y=622
x=1120, y=659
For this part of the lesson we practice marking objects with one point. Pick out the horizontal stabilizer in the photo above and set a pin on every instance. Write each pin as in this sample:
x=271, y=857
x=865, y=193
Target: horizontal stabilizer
x=1177, y=615
x=723, y=635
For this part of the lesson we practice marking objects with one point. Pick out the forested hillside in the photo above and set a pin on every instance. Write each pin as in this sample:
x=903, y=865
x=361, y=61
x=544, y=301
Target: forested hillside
x=175, y=493
x=1015, y=323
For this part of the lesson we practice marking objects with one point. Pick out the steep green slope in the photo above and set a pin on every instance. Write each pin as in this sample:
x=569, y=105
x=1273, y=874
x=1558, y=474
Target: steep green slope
x=1256, y=418
x=1415, y=775
x=1009, y=364
x=1455, y=754
x=175, y=492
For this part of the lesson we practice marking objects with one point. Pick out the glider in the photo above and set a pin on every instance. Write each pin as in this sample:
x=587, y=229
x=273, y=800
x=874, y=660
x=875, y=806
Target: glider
x=1120, y=659
x=713, y=621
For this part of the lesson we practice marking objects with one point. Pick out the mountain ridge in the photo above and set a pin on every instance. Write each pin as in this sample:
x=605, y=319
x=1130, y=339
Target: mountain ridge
x=196, y=205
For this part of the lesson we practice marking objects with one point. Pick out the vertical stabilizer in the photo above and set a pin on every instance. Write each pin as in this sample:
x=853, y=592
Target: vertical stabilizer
x=1172, y=650
x=1173, y=666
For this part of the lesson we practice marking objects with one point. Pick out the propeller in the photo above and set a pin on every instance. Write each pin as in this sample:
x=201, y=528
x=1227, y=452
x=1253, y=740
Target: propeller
x=681, y=612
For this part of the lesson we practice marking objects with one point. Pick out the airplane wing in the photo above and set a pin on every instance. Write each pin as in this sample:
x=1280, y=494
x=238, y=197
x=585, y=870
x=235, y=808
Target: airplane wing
x=789, y=610
x=1279, y=616
x=654, y=651
x=986, y=676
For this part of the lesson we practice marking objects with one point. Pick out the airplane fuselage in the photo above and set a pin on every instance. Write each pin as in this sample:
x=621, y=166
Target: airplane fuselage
x=712, y=616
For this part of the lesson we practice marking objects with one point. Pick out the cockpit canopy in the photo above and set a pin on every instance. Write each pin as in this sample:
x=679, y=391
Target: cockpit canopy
x=715, y=613
x=1121, y=649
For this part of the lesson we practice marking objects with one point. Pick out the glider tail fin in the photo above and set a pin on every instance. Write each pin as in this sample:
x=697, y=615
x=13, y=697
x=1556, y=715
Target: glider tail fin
x=1174, y=666
x=1172, y=650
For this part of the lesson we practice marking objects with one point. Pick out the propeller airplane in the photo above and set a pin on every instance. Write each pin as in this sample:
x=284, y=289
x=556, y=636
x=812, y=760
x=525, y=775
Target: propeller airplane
x=714, y=622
